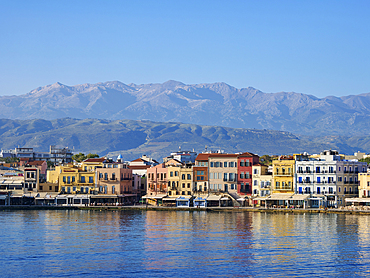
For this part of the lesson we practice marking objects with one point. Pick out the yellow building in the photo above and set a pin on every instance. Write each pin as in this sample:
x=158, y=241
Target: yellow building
x=72, y=180
x=283, y=175
x=364, y=186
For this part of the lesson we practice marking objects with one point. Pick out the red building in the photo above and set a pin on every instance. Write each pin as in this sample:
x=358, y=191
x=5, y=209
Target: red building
x=200, y=173
x=245, y=162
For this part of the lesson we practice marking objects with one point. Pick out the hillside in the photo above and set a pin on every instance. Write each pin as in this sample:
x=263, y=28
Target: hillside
x=216, y=104
x=134, y=138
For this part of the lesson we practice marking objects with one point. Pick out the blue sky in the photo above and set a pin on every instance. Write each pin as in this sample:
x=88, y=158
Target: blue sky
x=313, y=47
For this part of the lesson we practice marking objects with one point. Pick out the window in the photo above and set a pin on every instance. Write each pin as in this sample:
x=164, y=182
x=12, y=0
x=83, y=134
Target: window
x=82, y=179
x=171, y=174
x=74, y=189
x=113, y=176
x=241, y=163
x=183, y=185
x=218, y=164
x=256, y=183
x=242, y=175
x=211, y=164
x=188, y=185
x=255, y=171
x=73, y=179
x=183, y=176
x=91, y=180
x=64, y=179
x=176, y=173
x=225, y=164
x=106, y=176
x=225, y=176
x=68, y=179
x=113, y=189
x=189, y=177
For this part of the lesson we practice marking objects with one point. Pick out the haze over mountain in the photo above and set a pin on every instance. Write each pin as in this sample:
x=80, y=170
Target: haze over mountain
x=135, y=138
x=216, y=104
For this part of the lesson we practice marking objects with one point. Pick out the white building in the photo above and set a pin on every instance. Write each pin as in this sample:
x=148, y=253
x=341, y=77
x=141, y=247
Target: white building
x=327, y=178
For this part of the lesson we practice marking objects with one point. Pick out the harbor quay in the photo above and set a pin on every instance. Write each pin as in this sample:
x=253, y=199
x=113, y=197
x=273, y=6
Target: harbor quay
x=186, y=179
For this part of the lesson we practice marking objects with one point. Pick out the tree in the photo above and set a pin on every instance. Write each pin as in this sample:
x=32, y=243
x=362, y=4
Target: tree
x=367, y=160
x=266, y=159
x=50, y=164
x=92, y=155
x=81, y=156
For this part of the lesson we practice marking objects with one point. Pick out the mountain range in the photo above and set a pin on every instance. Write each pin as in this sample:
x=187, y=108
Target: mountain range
x=216, y=104
x=134, y=138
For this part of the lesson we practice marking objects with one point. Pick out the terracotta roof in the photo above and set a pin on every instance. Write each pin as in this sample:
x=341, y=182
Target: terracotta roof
x=247, y=154
x=138, y=160
x=95, y=159
x=223, y=155
x=203, y=156
x=139, y=166
x=36, y=162
x=24, y=159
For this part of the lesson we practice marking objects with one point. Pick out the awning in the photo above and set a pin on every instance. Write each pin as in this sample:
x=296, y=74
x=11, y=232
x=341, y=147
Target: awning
x=260, y=198
x=200, y=199
x=159, y=196
x=184, y=198
x=213, y=198
x=281, y=196
x=31, y=194
x=357, y=200
x=102, y=196
x=169, y=199
x=225, y=198
x=2, y=197
x=300, y=197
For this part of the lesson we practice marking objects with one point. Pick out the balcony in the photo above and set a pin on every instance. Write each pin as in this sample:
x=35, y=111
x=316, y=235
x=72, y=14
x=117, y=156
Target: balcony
x=283, y=174
x=230, y=180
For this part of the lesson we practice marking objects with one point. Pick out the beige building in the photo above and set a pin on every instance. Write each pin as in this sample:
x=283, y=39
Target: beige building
x=261, y=180
x=223, y=172
x=364, y=185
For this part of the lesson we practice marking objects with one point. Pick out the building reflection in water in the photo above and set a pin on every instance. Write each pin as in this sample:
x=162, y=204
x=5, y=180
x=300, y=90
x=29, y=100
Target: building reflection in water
x=197, y=240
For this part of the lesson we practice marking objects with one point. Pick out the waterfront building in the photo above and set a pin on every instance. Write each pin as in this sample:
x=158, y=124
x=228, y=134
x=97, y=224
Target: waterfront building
x=283, y=175
x=200, y=174
x=114, y=184
x=261, y=180
x=327, y=177
x=157, y=184
x=245, y=164
x=223, y=172
x=364, y=185
x=72, y=180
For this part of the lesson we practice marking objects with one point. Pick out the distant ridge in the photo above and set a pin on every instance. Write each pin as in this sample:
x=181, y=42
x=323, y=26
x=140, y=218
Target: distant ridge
x=157, y=139
x=208, y=104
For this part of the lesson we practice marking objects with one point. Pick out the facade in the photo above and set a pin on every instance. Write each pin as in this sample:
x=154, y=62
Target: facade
x=200, y=174
x=72, y=180
x=283, y=175
x=245, y=163
x=364, y=185
x=157, y=180
x=261, y=180
x=223, y=172
x=327, y=178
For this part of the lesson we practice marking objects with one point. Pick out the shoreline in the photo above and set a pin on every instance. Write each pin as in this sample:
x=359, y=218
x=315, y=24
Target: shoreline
x=208, y=209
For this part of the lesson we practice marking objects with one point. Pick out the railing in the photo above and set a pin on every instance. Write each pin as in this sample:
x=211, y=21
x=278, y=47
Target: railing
x=283, y=174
